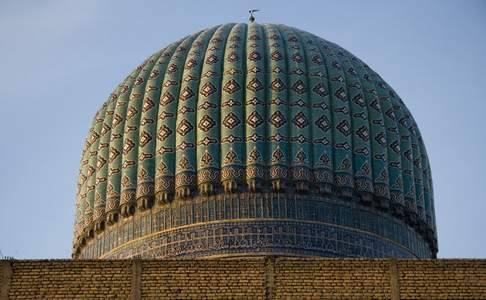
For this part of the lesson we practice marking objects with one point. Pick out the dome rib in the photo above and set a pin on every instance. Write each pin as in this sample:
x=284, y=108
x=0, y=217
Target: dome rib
x=299, y=125
x=232, y=130
x=254, y=121
x=361, y=131
x=378, y=137
x=277, y=155
x=339, y=107
x=99, y=215
x=322, y=114
x=79, y=222
x=167, y=117
x=89, y=186
x=206, y=163
x=146, y=147
x=116, y=147
x=393, y=150
x=185, y=130
x=130, y=141
x=255, y=117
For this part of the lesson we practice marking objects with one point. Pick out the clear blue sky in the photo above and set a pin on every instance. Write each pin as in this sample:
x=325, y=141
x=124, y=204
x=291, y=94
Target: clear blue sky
x=60, y=60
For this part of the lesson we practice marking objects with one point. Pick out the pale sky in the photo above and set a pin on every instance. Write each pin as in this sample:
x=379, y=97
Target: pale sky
x=60, y=60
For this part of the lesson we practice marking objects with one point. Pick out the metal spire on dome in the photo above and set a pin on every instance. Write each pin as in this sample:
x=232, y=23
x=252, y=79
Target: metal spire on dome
x=252, y=18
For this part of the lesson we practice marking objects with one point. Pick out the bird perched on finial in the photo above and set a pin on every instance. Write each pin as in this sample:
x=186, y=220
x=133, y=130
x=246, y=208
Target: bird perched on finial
x=252, y=18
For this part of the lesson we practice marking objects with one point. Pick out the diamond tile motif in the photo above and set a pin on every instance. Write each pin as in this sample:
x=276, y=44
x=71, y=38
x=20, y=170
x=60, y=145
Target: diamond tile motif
x=359, y=99
x=232, y=57
x=276, y=55
x=208, y=89
x=320, y=90
x=231, y=86
x=317, y=60
x=277, y=85
x=299, y=87
x=300, y=120
x=154, y=74
x=191, y=64
x=390, y=113
x=380, y=138
x=166, y=98
x=131, y=112
x=344, y=127
x=128, y=146
x=211, y=59
x=340, y=94
x=163, y=132
x=145, y=138
x=148, y=104
x=254, y=119
x=113, y=154
x=363, y=133
x=277, y=119
x=184, y=127
x=395, y=146
x=323, y=123
x=297, y=58
x=254, y=56
x=231, y=120
x=172, y=68
x=186, y=93
x=206, y=123
x=254, y=85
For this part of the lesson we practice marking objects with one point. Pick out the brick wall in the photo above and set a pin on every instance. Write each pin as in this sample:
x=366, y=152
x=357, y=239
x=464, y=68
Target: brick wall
x=247, y=278
x=213, y=279
x=439, y=279
x=70, y=279
x=329, y=279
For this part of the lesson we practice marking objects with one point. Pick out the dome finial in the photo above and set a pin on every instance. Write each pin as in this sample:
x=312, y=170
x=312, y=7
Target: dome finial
x=252, y=18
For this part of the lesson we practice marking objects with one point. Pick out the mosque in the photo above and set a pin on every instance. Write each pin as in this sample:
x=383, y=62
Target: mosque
x=250, y=139
x=252, y=161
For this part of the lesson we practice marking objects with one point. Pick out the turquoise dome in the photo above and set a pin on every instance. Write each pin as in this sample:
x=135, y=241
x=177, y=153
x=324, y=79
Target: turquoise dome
x=253, y=109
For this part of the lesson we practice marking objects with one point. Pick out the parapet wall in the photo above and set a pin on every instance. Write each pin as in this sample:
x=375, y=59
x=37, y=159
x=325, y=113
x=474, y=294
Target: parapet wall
x=243, y=278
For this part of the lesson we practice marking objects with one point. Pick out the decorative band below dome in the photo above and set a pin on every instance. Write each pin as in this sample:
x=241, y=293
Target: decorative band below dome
x=234, y=225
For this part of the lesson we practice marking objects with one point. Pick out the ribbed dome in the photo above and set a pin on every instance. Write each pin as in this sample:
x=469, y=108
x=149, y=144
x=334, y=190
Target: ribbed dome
x=238, y=111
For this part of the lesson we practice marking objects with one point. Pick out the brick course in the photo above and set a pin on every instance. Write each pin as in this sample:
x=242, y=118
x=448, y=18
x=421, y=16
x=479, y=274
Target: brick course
x=243, y=278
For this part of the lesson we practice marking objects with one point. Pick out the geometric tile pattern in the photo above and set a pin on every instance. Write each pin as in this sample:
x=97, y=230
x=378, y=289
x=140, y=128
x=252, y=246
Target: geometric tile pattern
x=317, y=119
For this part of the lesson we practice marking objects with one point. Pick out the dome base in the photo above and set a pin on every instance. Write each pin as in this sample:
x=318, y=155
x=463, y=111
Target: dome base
x=259, y=223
